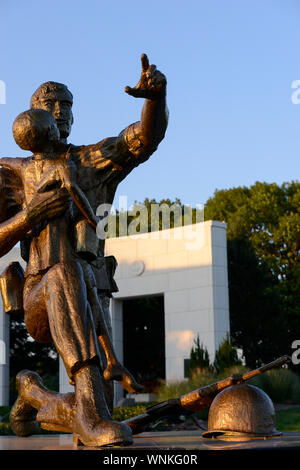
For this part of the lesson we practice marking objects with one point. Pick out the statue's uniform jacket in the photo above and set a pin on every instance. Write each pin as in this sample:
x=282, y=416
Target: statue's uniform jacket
x=99, y=169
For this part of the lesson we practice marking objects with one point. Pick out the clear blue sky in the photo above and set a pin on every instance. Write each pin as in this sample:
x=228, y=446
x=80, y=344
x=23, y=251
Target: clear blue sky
x=229, y=64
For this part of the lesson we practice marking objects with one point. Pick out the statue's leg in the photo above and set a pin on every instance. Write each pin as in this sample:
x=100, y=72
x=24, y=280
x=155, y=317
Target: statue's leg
x=62, y=294
x=73, y=332
x=36, y=405
x=114, y=370
x=108, y=384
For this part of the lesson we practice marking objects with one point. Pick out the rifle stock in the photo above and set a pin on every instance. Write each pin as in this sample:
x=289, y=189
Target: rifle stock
x=196, y=400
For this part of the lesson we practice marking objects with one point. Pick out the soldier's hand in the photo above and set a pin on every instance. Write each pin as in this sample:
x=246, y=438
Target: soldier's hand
x=47, y=205
x=152, y=84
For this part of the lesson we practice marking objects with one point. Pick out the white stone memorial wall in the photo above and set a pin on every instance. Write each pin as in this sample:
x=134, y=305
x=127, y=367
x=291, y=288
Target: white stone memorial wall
x=189, y=267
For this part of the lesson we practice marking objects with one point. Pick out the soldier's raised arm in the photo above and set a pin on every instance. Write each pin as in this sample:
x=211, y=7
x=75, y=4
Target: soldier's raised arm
x=143, y=137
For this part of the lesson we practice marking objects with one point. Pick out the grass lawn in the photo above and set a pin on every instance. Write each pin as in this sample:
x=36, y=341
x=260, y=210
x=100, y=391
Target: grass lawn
x=288, y=420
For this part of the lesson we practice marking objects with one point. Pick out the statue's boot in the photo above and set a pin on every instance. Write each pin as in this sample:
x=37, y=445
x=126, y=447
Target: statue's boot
x=123, y=376
x=57, y=413
x=92, y=424
x=23, y=414
x=36, y=407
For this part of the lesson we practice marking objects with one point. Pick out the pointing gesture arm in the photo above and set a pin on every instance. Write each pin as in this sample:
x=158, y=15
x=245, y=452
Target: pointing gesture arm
x=143, y=137
x=152, y=84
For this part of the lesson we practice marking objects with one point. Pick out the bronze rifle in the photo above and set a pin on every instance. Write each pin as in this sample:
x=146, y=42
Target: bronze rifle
x=196, y=400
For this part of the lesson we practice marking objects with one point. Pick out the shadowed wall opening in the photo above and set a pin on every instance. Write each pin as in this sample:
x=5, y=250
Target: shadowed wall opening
x=25, y=353
x=144, y=339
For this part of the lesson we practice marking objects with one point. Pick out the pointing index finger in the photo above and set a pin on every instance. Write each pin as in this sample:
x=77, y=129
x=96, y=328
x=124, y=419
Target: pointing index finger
x=145, y=62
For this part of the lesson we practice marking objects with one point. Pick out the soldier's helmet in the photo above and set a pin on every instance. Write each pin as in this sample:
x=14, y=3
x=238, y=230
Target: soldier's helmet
x=241, y=412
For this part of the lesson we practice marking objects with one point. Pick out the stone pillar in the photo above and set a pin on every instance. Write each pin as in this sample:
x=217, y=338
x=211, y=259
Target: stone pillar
x=221, y=319
x=64, y=385
x=116, y=311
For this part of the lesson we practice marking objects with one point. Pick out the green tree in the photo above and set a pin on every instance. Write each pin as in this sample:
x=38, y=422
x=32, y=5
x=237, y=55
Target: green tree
x=226, y=356
x=263, y=231
x=258, y=322
x=263, y=265
x=199, y=357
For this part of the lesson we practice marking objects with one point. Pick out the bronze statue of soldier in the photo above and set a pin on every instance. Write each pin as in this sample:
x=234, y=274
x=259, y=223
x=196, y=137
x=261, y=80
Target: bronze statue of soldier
x=63, y=277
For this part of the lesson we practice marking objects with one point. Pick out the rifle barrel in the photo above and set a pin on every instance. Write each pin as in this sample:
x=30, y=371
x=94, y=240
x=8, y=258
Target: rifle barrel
x=278, y=362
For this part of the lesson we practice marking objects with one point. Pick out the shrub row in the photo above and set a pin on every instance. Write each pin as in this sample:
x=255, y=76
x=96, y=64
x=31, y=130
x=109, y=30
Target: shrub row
x=282, y=385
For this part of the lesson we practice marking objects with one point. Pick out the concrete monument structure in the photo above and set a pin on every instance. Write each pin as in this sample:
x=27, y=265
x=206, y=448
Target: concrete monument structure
x=188, y=266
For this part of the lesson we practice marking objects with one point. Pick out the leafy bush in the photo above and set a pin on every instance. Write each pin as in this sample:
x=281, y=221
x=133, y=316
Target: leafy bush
x=282, y=385
x=5, y=429
x=229, y=371
x=126, y=412
x=198, y=378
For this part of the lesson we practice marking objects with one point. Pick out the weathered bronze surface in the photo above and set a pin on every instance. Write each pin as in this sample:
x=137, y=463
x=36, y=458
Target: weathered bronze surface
x=48, y=203
x=241, y=411
x=12, y=285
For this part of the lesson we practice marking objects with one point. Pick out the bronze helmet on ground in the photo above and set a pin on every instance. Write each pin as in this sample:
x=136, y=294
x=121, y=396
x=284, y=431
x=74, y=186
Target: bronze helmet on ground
x=241, y=411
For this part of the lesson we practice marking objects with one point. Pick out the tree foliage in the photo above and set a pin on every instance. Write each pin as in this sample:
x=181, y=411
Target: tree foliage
x=147, y=216
x=263, y=230
x=226, y=356
x=25, y=353
x=199, y=357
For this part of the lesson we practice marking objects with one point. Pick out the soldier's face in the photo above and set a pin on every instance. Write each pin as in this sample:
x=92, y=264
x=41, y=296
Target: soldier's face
x=61, y=110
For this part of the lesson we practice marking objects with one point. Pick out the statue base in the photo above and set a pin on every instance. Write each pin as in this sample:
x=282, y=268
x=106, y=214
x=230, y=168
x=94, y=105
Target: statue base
x=153, y=441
